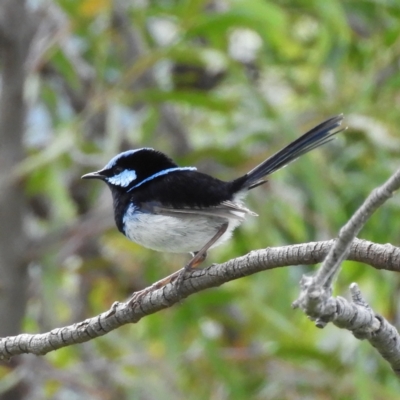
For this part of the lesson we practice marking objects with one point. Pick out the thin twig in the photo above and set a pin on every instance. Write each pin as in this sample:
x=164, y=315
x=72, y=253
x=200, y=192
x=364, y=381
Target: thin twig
x=339, y=251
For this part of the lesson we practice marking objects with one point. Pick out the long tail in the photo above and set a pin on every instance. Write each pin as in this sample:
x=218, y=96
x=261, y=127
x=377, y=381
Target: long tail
x=321, y=134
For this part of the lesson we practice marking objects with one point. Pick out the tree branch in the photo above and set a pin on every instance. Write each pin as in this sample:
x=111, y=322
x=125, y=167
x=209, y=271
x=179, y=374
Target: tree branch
x=316, y=291
x=379, y=256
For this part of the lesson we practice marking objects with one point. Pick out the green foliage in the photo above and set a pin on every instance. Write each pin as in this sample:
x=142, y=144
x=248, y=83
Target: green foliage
x=311, y=60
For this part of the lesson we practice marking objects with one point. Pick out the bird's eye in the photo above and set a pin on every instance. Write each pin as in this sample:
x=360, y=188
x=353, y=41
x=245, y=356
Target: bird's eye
x=118, y=170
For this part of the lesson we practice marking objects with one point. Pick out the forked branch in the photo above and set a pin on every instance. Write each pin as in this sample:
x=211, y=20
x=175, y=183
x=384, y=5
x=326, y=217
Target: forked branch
x=316, y=291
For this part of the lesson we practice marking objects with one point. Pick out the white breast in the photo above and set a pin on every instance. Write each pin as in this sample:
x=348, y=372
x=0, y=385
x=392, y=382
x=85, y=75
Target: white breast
x=174, y=234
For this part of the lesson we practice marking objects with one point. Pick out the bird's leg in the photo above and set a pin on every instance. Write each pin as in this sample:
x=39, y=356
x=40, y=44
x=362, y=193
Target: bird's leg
x=199, y=256
x=197, y=259
x=198, y=262
x=157, y=285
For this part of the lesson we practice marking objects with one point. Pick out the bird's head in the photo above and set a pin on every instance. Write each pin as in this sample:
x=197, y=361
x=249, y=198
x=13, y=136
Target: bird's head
x=132, y=168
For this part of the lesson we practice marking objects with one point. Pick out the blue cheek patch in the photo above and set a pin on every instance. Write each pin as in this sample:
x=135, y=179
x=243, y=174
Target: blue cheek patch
x=123, y=179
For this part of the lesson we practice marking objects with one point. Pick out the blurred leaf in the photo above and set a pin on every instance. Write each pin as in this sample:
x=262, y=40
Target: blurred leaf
x=92, y=8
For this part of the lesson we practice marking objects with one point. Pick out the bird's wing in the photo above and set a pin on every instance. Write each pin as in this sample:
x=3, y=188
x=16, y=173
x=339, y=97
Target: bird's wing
x=226, y=209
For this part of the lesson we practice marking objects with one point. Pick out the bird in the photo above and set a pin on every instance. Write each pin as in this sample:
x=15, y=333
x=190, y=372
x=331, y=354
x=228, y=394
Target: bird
x=174, y=209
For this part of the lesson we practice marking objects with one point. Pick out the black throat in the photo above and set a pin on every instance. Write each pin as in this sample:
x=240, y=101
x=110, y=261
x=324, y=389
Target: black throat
x=121, y=201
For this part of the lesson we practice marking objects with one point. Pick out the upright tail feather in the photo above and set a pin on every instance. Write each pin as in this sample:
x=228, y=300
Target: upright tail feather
x=314, y=138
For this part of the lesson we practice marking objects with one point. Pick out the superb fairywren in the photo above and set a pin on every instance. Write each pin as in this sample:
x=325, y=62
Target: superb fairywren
x=177, y=209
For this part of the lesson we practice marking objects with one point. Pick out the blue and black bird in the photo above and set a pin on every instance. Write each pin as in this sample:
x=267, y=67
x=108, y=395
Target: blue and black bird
x=180, y=210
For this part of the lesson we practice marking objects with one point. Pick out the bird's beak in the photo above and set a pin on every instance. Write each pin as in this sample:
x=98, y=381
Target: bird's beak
x=94, y=175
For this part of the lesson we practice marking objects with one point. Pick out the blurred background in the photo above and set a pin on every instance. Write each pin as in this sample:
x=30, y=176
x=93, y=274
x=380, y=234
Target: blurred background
x=220, y=85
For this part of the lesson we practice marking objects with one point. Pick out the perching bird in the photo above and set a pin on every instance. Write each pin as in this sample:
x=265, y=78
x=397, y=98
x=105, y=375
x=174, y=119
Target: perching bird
x=177, y=209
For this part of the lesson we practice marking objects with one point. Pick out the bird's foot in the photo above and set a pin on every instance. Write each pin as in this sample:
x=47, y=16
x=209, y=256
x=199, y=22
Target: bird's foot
x=186, y=271
x=177, y=277
x=183, y=273
x=136, y=296
x=198, y=258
